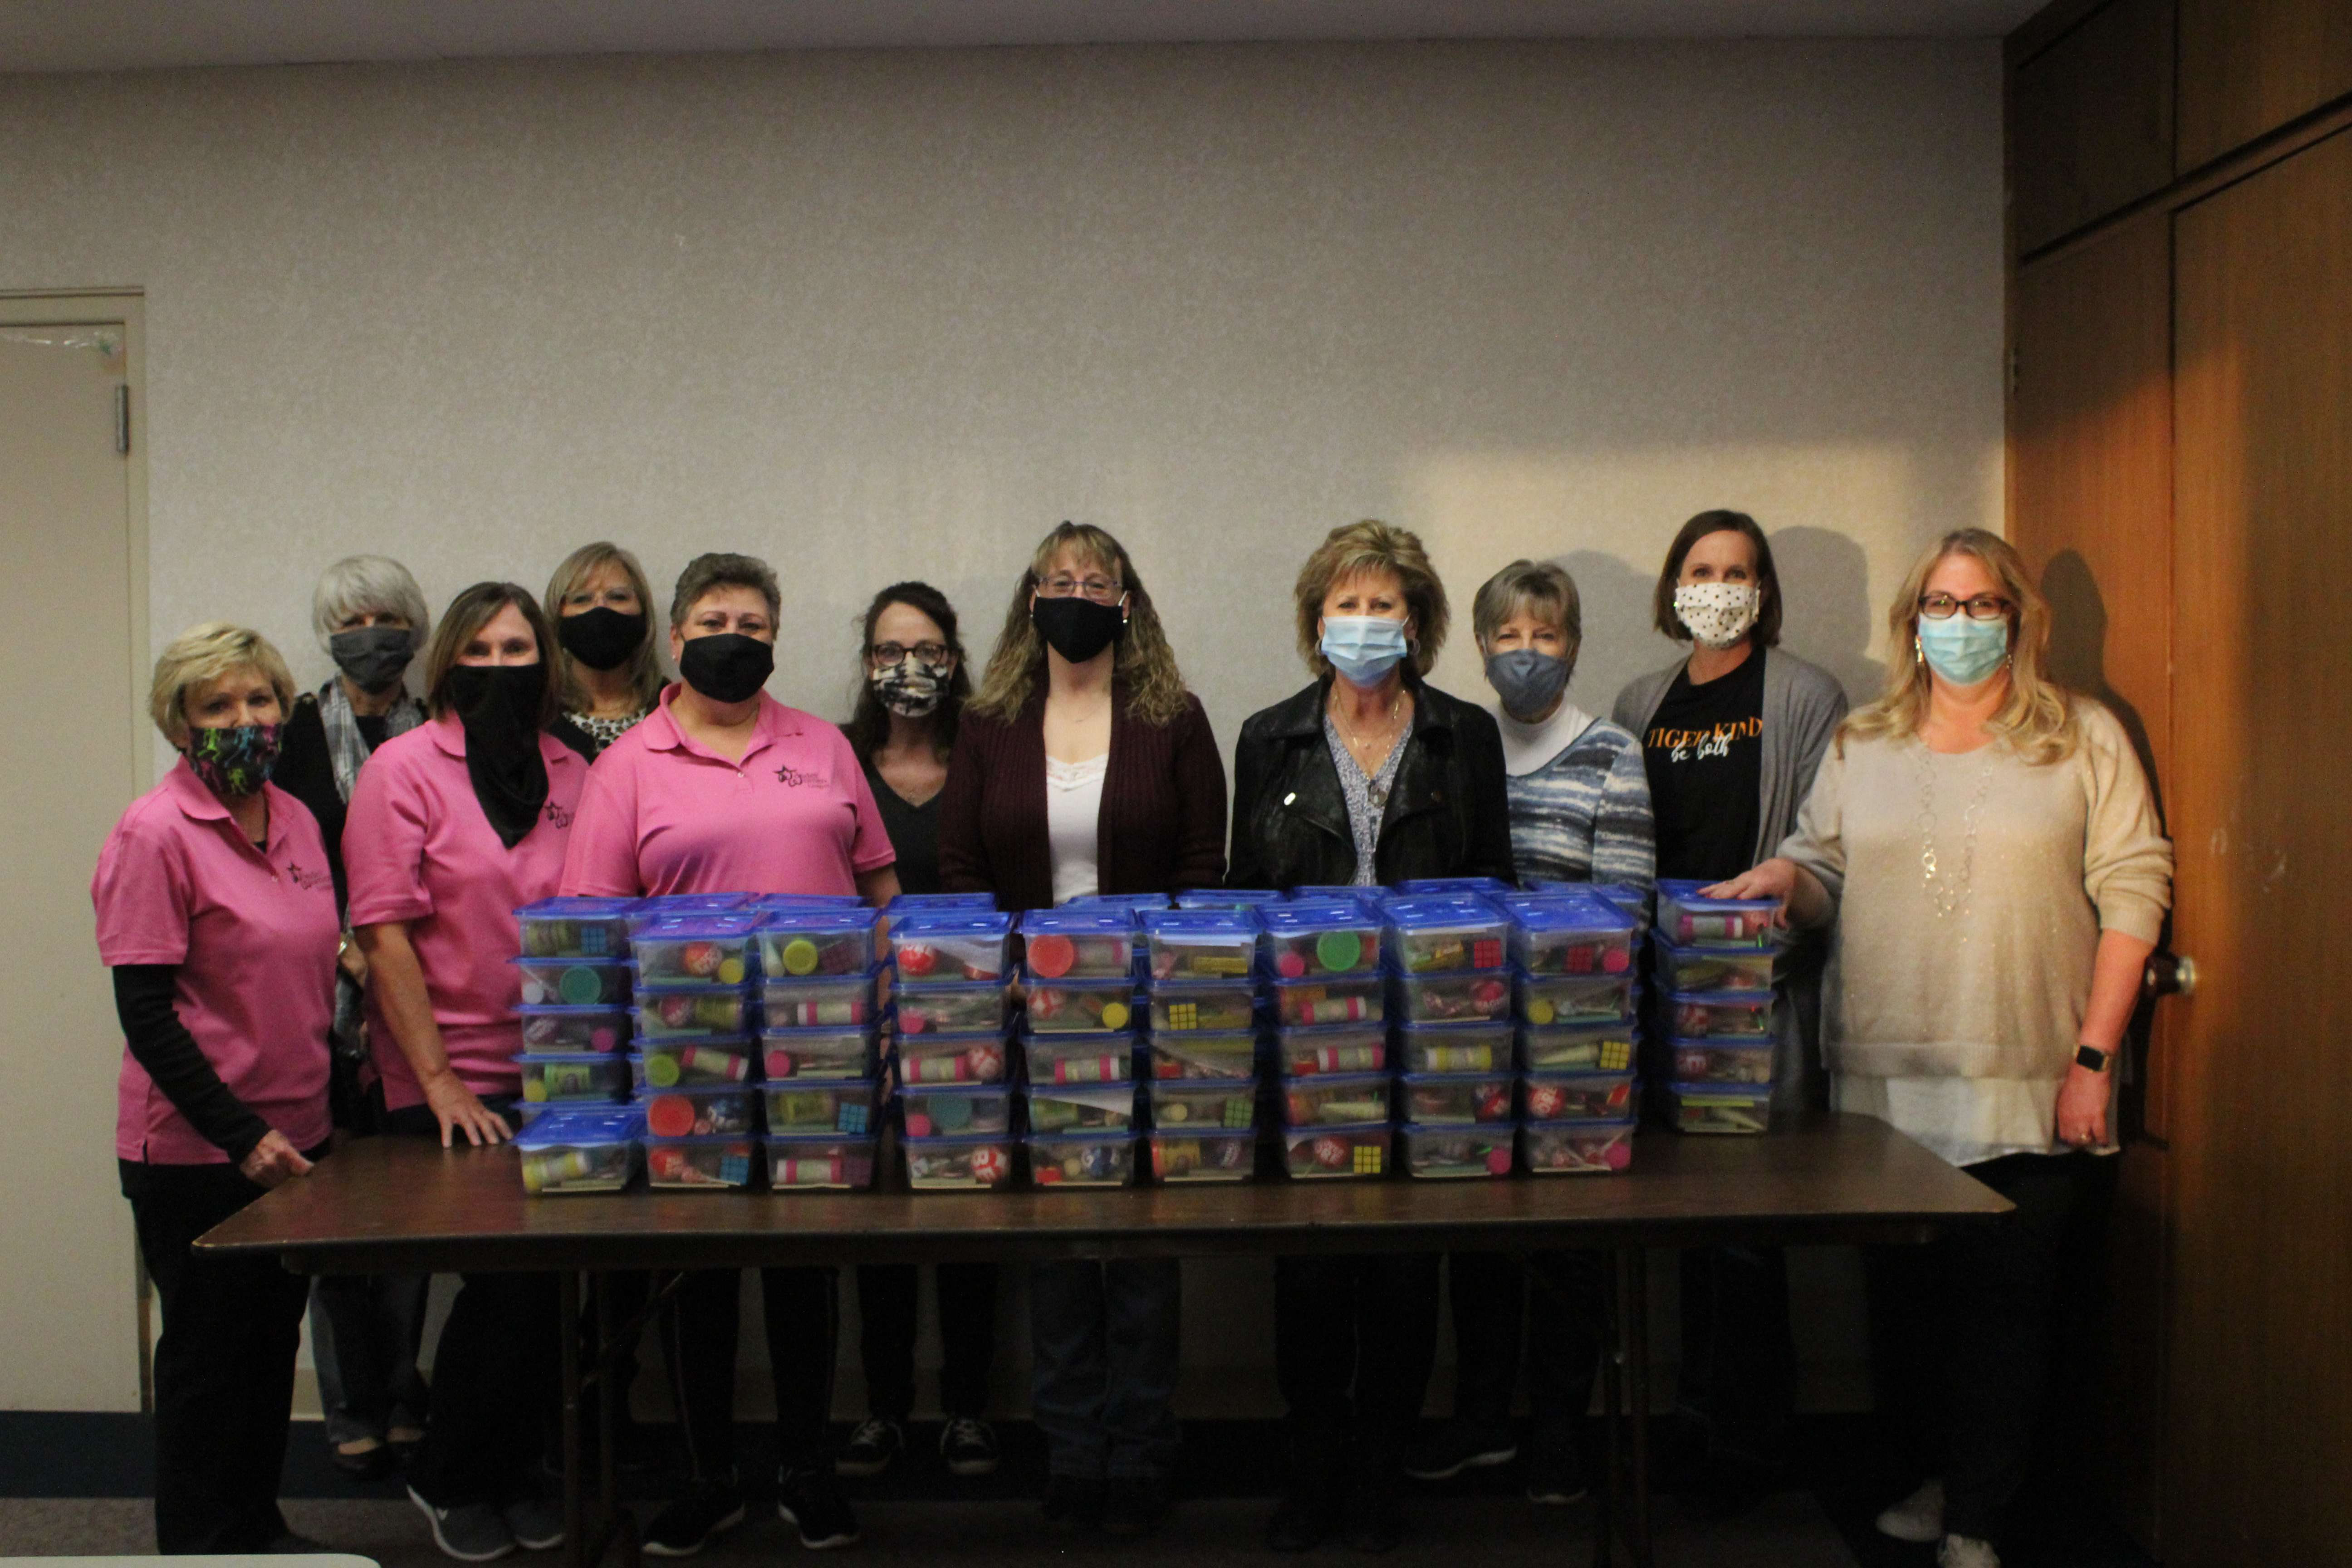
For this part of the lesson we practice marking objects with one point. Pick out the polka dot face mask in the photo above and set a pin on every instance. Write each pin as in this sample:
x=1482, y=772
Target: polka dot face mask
x=1716, y=614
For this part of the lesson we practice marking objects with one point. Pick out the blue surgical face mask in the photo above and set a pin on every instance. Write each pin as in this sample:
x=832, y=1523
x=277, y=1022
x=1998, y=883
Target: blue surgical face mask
x=1961, y=650
x=1364, y=648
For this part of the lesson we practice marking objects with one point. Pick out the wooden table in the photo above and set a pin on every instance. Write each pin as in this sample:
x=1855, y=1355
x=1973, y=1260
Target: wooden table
x=403, y=1205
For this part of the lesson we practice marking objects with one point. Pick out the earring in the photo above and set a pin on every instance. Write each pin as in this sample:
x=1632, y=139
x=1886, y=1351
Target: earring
x=1918, y=653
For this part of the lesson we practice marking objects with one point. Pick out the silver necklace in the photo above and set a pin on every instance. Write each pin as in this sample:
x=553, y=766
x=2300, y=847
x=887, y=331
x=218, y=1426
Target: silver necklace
x=1949, y=896
x=1374, y=788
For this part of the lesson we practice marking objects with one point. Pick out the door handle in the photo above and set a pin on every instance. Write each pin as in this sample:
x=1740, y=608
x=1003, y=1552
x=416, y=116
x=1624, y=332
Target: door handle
x=2168, y=974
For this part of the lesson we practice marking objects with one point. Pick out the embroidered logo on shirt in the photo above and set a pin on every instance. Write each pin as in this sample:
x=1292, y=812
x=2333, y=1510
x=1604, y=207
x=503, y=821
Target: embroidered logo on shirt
x=307, y=880
x=792, y=777
x=557, y=816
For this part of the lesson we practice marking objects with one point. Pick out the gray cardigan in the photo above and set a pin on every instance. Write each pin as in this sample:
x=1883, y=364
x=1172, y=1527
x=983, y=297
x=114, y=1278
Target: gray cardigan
x=1803, y=705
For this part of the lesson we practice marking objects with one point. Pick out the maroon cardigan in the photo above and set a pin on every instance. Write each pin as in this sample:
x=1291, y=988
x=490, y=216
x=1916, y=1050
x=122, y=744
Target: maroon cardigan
x=1163, y=828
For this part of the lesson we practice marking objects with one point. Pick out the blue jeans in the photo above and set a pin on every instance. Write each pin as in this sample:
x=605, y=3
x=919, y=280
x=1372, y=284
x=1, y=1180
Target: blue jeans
x=1103, y=1342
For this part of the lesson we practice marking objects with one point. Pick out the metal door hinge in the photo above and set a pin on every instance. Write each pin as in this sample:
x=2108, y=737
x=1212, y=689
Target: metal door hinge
x=122, y=421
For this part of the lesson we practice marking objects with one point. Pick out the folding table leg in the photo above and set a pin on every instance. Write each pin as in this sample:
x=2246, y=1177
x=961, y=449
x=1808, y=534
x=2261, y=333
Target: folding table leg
x=621, y=1523
x=567, y=1330
x=1634, y=1265
x=1609, y=1499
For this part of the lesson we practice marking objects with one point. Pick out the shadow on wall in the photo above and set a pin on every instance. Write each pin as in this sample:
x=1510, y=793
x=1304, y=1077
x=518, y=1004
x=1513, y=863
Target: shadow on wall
x=1827, y=613
x=2078, y=651
x=1619, y=641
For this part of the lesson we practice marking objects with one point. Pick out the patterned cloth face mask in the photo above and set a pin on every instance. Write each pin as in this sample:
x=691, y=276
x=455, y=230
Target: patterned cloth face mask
x=1717, y=614
x=910, y=688
x=235, y=760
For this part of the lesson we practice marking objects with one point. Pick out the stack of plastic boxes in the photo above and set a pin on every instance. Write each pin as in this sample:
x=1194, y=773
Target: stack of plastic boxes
x=1446, y=958
x=1079, y=1049
x=1714, y=963
x=1204, y=989
x=1574, y=995
x=820, y=1009
x=573, y=973
x=580, y=1149
x=1331, y=1033
x=693, y=1067
x=951, y=971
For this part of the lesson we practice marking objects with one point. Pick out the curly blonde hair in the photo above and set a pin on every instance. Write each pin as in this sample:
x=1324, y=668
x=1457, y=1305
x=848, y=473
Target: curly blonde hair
x=203, y=654
x=1372, y=546
x=1145, y=667
x=2037, y=718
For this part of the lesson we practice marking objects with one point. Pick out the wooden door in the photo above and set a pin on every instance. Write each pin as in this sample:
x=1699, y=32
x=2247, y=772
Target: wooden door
x=67, y=554
x=2261, y=1367
x=2090, y=507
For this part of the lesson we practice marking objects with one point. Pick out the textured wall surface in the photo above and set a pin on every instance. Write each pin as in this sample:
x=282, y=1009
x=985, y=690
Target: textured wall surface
x=880, y=315
x=884, y=314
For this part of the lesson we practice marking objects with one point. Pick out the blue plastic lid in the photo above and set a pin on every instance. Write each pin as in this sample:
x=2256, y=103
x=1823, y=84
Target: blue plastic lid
x=547, y=1056
x=607, y=962
x=1703, y=998
x=1308, y=916
x=807, y=1139
x=1121, y=901
x=824, y=922
x=581, y=1124
x=577, y=908
x=692, y=903
x=1457, y=910
x=1335, y=1080
x=776, y=903
x=1747, y=1093
x=733, y=1045
x=1228, y=897
x=1585, y=914
x=1073, y=920
x=1582, y=1124
x=1084, y=1135
x=718, y=927
x=1416, y=886
x=959, y=1140
x=1685, y=890
x=909, y=903
x=1225, y=922
x=1439, y=1077
x=950, y=924
x=1725, y=1043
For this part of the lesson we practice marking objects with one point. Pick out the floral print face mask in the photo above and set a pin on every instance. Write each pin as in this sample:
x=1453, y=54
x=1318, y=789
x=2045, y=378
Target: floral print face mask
x=235, y=760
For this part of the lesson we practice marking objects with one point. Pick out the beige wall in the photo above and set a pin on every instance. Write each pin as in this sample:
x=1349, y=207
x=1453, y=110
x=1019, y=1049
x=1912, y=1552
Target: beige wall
x=875, y=315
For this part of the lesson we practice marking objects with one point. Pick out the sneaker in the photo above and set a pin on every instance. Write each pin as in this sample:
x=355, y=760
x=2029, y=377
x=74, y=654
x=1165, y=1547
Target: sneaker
x=1459, y=1445
x=708, y=1510
x=811, y=1502
x=536, y=1522
x=871, y=1447
x=1966, y=1552
x=1374, y=1517
x=1555, y=1467
x=1074, y=1502
x=968, y=1446
x=1134, y=1505
x=474, y=1533
x=1919, y=1517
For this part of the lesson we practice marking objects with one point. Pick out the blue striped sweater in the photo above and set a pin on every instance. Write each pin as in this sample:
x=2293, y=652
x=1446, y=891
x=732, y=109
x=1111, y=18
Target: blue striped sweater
x=1584, y=816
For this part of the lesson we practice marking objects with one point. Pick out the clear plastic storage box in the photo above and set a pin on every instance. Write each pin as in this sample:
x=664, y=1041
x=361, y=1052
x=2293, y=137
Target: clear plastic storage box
x=690, y=1063
x=819, y=1002
x=576, y=928
x=819, y=1105
x=1078, y=1058
x=947, y=948
x=1444, y=935
x=1575, y=1047
x=1442, y=1098
x=1324, y=937
x=708, y=950
x=1312, y=1154
x=1226, y=1102
x=672, y=1012
x=580, y=1149
x=952, y=1111
x=1357, y=1048
x=1724, y=1061
x=1077, y=942
x=796, y=944
x=1546, y=999
x=1719, y=1107
x=1455, y=1048
x=576, y=982
x=1215, y=1007
x=712, y=1164
x=1059, y=1006
x=958, y=1009
x=1577, y=1148
x=700, y=1113
x=1458, y=1153
x=814, y=1162
x=556, y=1078
x=1579, y=1096
x=974, y=1163
x=1202, y=1155
x=1570, y=936
x=1082, y=1159
x=819, y=1052
x=1466, y=998
x=568, y=1029
x=1686, y=920
x=1685, y=969
x=1200, y=944
x=952, y=1058
x=1335, y=1099
x=1330, y=999
x=1217, y=1055
x=1075, y=1108
x=1723, y=1014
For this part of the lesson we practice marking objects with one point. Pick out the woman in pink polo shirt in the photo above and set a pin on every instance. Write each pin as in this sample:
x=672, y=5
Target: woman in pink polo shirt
x=453, y=826
x=216, y=914
x=724, y=789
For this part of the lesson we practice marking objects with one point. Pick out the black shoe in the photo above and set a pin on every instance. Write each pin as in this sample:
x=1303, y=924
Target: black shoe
x=370, y=1464
x=708, y=1510
x=811, y=1502
x=968, y=1446
x=1459, y=1445
x=1074, y=1502
x=1134, y=1505
x=1554, y=1467
x=1373, y=1519
x=871, y=1449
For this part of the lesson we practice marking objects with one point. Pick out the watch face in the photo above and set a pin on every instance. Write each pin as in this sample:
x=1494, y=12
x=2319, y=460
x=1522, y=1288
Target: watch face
x=2091, y=1057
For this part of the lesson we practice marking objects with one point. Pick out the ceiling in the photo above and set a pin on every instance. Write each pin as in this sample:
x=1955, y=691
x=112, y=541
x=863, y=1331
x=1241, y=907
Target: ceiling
x=118, y=35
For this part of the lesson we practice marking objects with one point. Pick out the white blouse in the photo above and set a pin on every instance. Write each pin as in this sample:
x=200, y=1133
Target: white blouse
x=1073, y=816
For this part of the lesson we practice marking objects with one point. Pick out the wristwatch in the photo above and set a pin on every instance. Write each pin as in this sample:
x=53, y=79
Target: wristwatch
x=2093, y=1057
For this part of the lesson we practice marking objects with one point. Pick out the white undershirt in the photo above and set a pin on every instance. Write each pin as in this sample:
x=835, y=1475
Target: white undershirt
x=1073, y=816
x=1527, y=747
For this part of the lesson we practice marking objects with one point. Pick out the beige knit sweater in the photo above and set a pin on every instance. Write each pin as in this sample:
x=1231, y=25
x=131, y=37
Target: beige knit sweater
x=1995, y=988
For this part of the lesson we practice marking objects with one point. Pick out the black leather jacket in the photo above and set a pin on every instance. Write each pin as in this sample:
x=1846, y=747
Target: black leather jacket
x=1448, y=814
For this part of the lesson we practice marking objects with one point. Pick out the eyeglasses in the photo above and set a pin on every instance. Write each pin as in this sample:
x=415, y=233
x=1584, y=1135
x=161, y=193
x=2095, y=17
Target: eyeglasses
x=1062, y=585
x=896, y=652
x=1983, y=607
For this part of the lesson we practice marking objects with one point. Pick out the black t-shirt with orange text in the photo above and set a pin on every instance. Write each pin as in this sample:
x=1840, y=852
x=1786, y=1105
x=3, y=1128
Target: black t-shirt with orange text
x=1705, y=752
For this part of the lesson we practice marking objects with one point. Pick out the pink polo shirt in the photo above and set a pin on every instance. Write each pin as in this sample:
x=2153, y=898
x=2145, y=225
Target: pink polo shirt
x=253, y=932
x=666, y=815
x=417, y=848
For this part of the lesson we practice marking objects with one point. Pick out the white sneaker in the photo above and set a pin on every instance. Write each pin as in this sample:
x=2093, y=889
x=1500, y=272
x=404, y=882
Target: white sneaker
x=1919, y=1517
x=1966, y=1552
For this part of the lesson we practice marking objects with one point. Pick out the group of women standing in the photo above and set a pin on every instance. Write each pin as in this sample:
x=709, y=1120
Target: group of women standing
x=1976, y=1009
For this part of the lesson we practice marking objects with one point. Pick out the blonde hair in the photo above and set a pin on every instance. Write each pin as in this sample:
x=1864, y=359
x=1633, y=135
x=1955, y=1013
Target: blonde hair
x=1145, y=667
x=1370, y=546
x=2036, y=719
x=644, y=667
x=202, y=655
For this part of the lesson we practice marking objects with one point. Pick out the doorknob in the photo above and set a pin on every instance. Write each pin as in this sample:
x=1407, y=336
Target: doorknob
x=2169, y=974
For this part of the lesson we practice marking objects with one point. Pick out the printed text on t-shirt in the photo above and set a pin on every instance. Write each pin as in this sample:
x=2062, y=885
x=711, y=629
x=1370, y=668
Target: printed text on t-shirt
x=1688, y=746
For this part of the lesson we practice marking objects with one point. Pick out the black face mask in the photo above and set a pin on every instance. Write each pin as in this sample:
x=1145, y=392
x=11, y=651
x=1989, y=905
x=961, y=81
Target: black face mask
x=498, y=706
x=1078, y=628
x=601, y=638
x=373, y=657
x=726, y=667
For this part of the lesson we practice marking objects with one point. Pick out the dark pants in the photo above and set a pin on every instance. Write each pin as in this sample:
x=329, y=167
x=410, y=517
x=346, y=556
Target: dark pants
x=1559, y=1297
x=886, y=1294
x=365, y=1332
x=800, y=1309
x=1103, y=1346
x=497, y=1375
x=1354, y=1338
x=1961, y=1335
x=225, y=1366
x=1738, y=1372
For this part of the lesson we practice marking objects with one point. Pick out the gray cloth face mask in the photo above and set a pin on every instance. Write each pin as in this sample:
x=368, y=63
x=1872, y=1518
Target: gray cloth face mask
x=373, y=657
x=1527, y=681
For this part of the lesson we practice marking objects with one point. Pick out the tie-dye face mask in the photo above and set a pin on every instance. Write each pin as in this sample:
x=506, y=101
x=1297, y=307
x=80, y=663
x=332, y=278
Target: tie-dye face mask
x=235, y=760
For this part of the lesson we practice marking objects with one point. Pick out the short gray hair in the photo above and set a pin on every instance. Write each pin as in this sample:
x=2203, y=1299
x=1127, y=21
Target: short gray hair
x=719, y=570
x=359, y=584
x=1538, y=585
